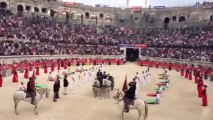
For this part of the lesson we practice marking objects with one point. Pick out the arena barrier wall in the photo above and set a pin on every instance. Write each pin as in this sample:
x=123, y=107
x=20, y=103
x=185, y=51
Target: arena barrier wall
x=181, y=61
x=12, y=59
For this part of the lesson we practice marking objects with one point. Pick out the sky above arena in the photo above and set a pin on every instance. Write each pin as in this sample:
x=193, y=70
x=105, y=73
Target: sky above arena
x=123, y=3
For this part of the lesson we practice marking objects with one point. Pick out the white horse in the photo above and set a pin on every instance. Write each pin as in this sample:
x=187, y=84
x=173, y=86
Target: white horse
x=96, y=88
x=107, y=87
x=139, y=104
x=21, y=96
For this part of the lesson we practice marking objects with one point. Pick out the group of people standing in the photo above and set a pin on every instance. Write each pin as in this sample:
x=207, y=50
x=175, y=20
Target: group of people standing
x=84, y=76
x=198, y=79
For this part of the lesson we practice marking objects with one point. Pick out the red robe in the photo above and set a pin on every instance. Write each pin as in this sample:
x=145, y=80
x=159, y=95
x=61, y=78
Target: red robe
x=15, y=76
x=157, y=65
x=187, y=73
x=182, y=72
x=26, y=74
x=1, y=79
x=37, y=70
x=65, y=65
x=59, y=66
x=196, y=79
x=190, y=76
x=141, y=64
x=30, y=67
x=45, y=69
x=204, y=97
x=52, y=68
x=199, y=88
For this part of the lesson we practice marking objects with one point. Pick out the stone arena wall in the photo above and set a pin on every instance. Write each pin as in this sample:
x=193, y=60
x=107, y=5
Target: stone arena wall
x=182, y=61
x=11, y=59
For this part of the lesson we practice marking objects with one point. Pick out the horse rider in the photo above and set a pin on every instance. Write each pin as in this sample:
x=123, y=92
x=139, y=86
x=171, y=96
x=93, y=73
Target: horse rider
x=99, y=76
x=110, y=78
x=31, y=91
x=100, y=79
x=99, y=73
x=104, y=75
x=129, y=96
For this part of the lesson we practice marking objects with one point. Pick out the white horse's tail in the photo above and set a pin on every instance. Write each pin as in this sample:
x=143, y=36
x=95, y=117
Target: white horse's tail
x=146, y=111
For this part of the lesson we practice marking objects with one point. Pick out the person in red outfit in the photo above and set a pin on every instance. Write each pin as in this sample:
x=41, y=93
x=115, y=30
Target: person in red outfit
x=204, y=96
x=30, y=67
x=59, y=66
x=170, y=66
x=1, y=79
x=199, y=87
x=26, y=74
x=45, y=68
x=65, y=65
x=15, y=76
x=157, y=65
x=190, y=75
x=182, y=71
x=187, y=73
x=196, y=78
x=37, y=70
x=52, y=67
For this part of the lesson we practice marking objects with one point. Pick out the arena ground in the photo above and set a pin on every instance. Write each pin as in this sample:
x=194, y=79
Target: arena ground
x=180, y=102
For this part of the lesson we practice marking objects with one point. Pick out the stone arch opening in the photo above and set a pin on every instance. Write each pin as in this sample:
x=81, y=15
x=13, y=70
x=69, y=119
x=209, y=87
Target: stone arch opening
x=20, y=8
x=44, y=10
x=52, y=13
x=211, y=18
x=28, y=8
x=87, y=15
x=3, y=5
x=166, y=22
x=101, y=16
x=182, y=19
x=82, y=18
x=36, y=9
x=67, y=16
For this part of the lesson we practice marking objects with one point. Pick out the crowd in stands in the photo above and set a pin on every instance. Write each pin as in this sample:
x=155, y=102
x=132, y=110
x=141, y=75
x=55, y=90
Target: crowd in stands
x=40, y=36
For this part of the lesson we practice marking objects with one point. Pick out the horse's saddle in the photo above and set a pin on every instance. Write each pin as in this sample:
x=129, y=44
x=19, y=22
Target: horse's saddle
x=132, y=102
x=28, y=95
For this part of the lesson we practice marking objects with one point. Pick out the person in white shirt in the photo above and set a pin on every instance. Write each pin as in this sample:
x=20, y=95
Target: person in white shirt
x=160, y=90
x=72, y=81
x=158, y=97
x=143, y=79
x=50, y=77
x=86, y=76
x=22, y=87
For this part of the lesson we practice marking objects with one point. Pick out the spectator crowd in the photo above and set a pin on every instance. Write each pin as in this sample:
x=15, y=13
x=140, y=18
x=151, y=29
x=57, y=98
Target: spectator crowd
x=20, y=35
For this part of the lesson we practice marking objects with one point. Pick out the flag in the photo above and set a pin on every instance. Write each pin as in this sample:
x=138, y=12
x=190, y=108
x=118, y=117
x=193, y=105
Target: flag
x=125, y=86
x=32, y=83
x=1, y=79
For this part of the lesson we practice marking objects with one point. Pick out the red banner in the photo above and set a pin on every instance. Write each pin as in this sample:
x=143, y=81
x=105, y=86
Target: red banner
x=141, y=45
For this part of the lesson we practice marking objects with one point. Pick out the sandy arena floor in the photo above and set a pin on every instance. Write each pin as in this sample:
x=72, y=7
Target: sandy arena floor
x=180, y=102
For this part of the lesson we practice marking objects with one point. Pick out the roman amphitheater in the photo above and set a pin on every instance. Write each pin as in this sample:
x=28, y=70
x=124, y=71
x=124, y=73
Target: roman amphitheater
x=46, y=35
